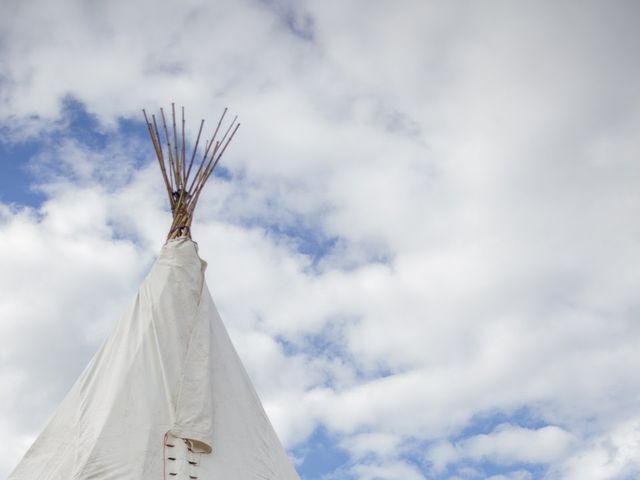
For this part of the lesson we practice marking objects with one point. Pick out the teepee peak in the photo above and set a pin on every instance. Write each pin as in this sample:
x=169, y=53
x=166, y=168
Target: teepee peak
x=186, y=175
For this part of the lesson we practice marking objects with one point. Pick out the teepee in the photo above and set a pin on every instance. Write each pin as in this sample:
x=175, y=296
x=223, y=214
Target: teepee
x=166, y=396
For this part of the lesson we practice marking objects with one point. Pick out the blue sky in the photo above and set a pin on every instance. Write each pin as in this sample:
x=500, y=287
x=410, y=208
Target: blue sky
x=16, y=178
x=423, y=241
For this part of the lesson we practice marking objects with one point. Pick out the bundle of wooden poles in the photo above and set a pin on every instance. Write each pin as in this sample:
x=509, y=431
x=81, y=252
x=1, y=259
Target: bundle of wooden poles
x=184, y=178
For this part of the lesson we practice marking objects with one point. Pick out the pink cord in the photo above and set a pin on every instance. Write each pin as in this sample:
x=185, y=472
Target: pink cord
x=164, y=457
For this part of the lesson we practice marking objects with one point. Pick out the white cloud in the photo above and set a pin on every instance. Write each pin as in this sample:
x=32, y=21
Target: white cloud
x=507, y=445
x=613, y=455
x=380, y=445
x=387, y=471
x=516, y=475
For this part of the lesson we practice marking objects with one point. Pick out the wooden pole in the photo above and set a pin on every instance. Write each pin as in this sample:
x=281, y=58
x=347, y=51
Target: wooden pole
x=183, y=183
x=171, y=163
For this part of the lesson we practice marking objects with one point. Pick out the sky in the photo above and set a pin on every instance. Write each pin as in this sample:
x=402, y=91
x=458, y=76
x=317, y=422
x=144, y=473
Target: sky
x=424, y=239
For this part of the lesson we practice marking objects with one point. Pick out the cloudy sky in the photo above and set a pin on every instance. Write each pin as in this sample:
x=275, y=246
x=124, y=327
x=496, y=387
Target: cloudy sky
x=424, y=239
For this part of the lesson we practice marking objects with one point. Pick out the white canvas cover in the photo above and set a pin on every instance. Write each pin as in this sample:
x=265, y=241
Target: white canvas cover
x=168, y=373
